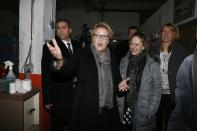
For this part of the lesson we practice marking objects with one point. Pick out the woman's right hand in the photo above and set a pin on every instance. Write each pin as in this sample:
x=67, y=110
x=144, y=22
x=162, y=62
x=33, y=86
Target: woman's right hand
x=55, y=50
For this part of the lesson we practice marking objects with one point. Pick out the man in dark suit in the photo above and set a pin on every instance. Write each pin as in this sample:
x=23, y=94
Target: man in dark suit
x=58, y=90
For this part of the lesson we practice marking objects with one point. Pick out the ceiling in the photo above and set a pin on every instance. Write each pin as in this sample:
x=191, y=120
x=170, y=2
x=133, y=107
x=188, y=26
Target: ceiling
x=144, y=7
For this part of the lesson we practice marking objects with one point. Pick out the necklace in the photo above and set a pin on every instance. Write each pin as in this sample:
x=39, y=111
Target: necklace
x=164, y=56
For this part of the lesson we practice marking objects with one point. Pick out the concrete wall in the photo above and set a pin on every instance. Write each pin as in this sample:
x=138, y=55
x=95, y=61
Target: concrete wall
x=163, y=15
x=38, y=24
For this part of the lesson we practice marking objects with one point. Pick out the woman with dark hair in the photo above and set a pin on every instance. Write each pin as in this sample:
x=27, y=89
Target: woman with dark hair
x=141, y=84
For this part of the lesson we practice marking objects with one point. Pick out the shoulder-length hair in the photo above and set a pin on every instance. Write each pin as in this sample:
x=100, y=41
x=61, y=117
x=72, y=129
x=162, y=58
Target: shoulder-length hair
x=174, y=29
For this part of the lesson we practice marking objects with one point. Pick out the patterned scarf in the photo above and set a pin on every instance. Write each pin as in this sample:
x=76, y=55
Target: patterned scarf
x=134, y=71
x=105, y=81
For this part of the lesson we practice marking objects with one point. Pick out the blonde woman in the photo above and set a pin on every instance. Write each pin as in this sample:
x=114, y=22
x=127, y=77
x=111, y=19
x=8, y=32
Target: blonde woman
x=172, y=53
x=95, y=107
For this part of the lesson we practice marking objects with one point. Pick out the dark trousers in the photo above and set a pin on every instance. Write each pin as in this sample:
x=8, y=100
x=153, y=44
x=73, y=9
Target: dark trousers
x=165, y=108
x=127, y=127
x=59, y=120
x=105, y=120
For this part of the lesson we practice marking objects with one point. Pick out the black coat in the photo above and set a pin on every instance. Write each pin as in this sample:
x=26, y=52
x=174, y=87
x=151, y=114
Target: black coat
x=178, y=54
x=57, y=89
x=85, y=115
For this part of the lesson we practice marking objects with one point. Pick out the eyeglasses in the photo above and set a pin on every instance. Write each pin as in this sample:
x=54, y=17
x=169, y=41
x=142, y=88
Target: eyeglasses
x=99, y=36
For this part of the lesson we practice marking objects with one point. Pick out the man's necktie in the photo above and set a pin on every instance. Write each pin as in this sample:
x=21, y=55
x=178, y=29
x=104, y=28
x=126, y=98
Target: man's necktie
x=69, y=48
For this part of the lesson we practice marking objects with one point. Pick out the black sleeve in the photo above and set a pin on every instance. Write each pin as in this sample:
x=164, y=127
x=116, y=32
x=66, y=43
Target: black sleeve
x=70, y=66
x=46, y=75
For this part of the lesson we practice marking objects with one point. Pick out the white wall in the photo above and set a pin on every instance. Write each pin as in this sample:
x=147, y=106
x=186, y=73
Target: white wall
x=163, y=15
x=8, y=22
x=49, y=19
x=39, y=25
x=24, y=30
x=119, y=21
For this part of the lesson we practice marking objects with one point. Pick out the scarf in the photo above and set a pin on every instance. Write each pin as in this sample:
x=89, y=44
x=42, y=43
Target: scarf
x=105, y=82
x=134, y=71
